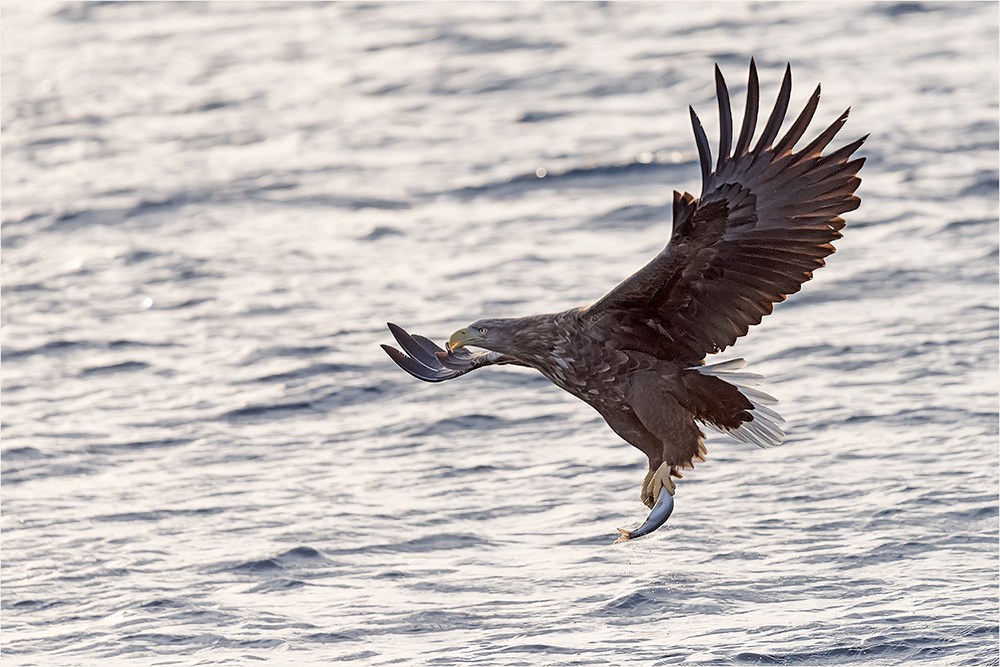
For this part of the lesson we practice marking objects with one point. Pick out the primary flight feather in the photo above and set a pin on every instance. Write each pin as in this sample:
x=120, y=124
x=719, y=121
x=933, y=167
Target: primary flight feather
x=766, y=219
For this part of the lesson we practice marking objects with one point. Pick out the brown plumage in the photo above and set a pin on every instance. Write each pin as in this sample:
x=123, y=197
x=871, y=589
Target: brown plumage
x=765, y=221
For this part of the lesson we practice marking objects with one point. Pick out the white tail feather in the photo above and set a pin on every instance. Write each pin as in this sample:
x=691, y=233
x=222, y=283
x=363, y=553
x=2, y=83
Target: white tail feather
x=765, y=429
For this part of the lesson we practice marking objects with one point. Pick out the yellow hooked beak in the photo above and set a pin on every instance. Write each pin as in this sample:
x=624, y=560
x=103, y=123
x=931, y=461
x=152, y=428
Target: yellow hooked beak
x=463, y=337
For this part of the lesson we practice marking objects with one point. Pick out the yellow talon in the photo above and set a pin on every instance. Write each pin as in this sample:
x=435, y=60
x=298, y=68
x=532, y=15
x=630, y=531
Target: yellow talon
x=657, y=480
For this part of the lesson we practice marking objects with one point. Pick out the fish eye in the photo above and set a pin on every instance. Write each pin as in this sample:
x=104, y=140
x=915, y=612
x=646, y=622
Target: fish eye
x=482, y=331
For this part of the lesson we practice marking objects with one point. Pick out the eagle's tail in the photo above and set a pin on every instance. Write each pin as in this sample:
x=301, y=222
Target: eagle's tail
x=764, y=430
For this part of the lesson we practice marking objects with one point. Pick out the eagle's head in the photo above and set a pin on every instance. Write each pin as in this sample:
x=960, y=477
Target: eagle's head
x=492, y=334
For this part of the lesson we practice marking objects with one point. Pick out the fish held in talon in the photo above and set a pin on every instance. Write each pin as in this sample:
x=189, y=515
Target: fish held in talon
x=657, y=517
x=766, y=220
x=658, y=494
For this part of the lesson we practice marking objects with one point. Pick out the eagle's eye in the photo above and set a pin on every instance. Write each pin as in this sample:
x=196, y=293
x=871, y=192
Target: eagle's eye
x=482, y=331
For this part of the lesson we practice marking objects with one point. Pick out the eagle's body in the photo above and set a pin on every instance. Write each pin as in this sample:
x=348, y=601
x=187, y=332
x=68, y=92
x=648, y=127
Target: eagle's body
x=572, y=354
x=764, y=223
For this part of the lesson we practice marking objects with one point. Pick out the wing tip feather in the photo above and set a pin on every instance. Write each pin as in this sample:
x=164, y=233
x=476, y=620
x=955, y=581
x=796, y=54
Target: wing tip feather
x=749, y=125
x=725, y=118
x=777, y=113
x=704, y=151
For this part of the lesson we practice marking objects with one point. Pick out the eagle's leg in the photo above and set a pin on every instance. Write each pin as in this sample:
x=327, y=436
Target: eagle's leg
x=657, y=480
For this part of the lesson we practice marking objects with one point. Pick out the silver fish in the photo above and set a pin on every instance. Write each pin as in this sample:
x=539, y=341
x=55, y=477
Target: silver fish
x=657, y=517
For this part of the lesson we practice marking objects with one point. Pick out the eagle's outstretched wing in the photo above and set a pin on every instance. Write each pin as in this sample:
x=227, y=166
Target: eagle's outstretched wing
x=429, y=362
x=764, y=223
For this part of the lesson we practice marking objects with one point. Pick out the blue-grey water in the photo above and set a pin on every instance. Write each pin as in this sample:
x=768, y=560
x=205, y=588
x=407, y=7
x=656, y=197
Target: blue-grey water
x=211, y=210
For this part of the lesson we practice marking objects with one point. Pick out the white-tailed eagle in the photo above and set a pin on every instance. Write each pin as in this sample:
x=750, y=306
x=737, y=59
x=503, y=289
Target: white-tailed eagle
x=766, y=219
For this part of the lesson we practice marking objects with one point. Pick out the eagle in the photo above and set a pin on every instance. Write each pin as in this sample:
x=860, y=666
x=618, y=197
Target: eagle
x=766, y=219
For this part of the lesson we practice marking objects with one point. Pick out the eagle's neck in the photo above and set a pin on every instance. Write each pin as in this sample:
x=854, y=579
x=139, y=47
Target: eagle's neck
x=543, y=341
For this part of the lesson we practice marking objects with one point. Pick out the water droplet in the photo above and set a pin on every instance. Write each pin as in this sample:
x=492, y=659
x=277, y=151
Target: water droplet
x=540, y=172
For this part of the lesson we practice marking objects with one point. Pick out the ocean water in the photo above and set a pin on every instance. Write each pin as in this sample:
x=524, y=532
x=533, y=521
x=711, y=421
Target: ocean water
x=211, y=210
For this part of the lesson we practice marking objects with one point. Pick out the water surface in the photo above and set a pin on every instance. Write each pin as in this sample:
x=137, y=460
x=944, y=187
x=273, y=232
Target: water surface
x=211, y=210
